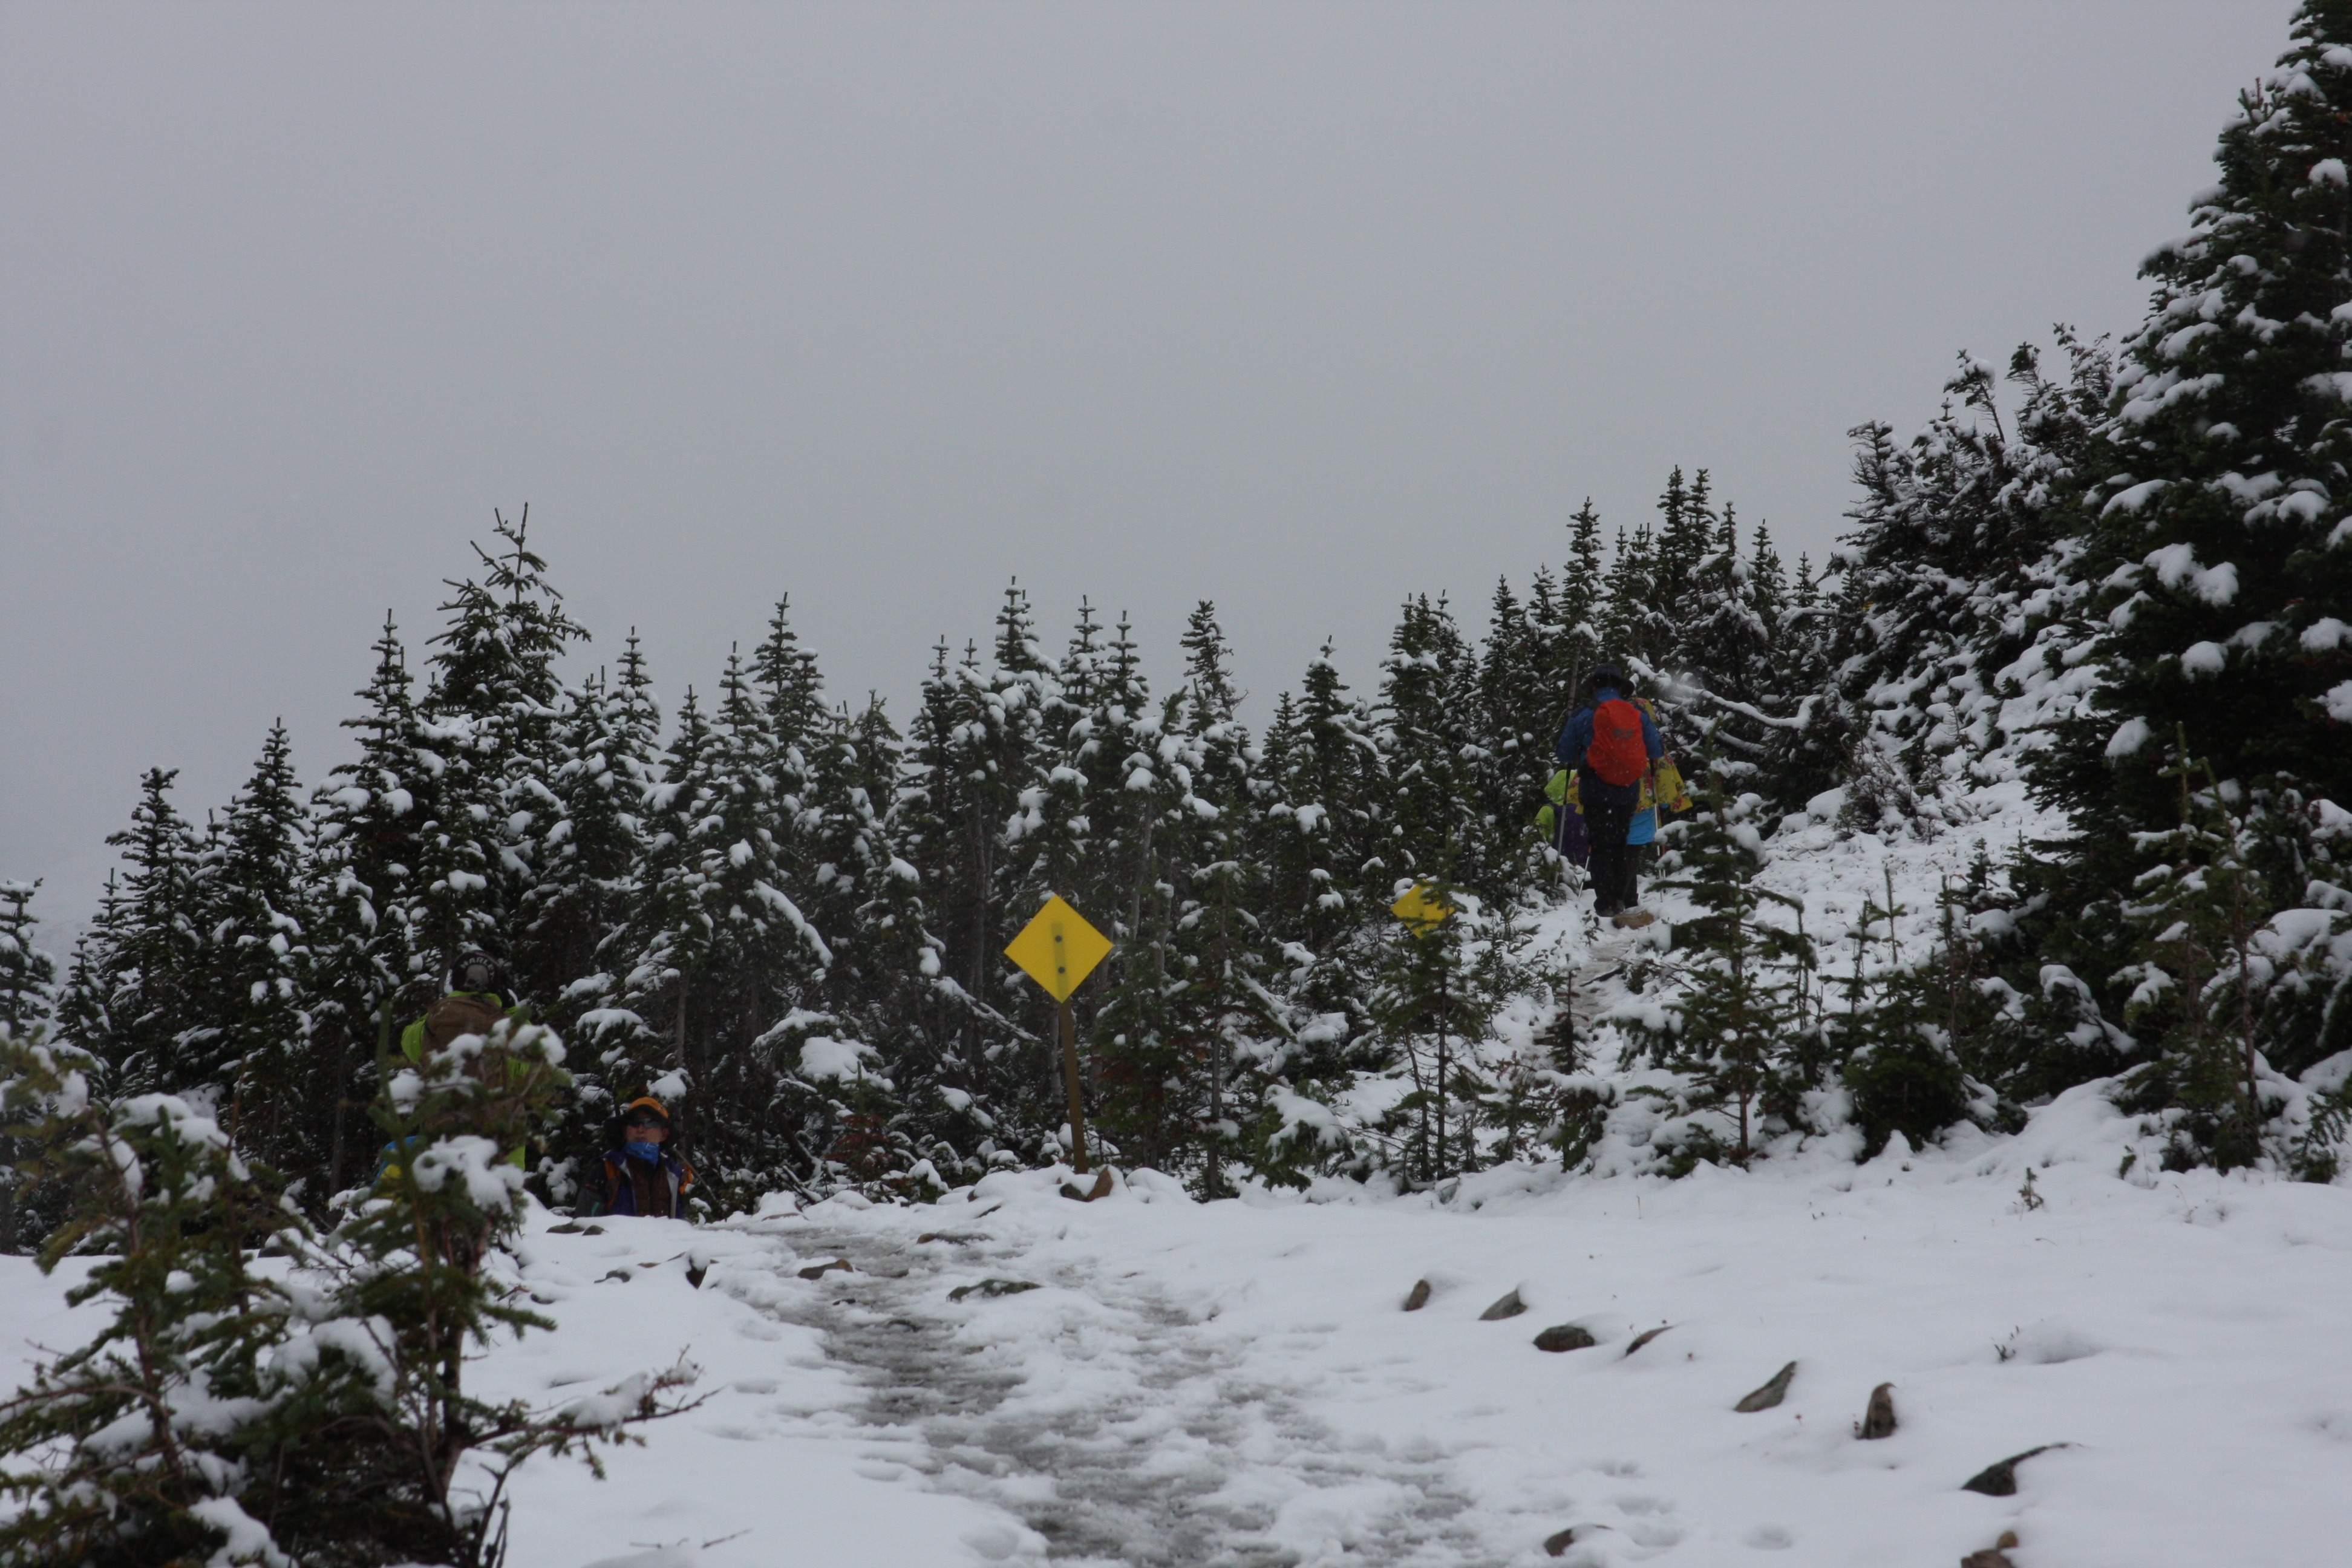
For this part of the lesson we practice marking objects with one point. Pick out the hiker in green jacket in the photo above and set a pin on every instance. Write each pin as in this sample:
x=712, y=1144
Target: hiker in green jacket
x=475, y=1003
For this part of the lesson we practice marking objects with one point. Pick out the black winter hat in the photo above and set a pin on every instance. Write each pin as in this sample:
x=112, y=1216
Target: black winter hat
x=476, y=970
x=1605, y=675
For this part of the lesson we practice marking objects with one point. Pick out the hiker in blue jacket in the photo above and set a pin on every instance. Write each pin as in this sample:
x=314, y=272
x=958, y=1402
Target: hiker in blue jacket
x=641, y=1176
x=1612, y=745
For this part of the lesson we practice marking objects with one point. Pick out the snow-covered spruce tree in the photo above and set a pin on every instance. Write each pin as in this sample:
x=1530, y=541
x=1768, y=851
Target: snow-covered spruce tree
x=1809, y=751
x=872, y=1028
x=888, y=980
x=1735, y=662
x=1731, y=1020
x=233, y=1416
x=134, y=1000
x=363, y=957
x=1111, y=743
x=1164, y=1033
x=28, y=976
x=1060, y=842
x=1320, y=828
x=152, y=1442
x=1946, y=571
x=85, y=1009
x=257, y=979
x=1627, y=631
x=667, y=936
x=590, y=838
x=940, y=824
x=1431, y=738
x=2220, y=539
x=2199, y=911
x=1013, y=706
x=1899, y=1040
x=791, y=687
x=1310, y=905
x=1655, y=590
x=1520, y=703
x=980, y=744
x=748, y=960
x=418, y=1471
x=1224, y=1024
x=576, y=918
x=1434, y=994
x=28, y=988
x=1569, y=625
x=486, y=727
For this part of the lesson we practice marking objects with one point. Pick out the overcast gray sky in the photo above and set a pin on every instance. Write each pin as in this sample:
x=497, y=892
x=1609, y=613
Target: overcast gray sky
x=1299, y=308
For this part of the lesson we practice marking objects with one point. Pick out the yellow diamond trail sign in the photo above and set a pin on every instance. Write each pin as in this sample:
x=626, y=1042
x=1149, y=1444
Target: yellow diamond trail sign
x=1422, y=906
x=1058, y=949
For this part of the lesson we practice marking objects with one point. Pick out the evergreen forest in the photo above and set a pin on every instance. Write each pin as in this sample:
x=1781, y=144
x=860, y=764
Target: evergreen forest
x=2115, y=569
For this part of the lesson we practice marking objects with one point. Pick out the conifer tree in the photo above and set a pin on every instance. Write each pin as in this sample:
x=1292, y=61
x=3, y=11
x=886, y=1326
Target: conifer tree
x=1429, y=737
x=258, y=965
x=1323, y=825
x=27, y=994
x=1734, y=638
x=1219, y=1016
x=1898, y=1048
x=1576, y=635
x=140, y=1447
x=2228, y=444
x=363, y=955
x=486, y=724
x=791, y=687
x=1527, y=670
x=751, y=957
x=149, y=961
x=85, y=1010
x=2198, y=910
x=1110, y=749
x=939, y=824
x=1628, y=631
x=1436, y=987
x=588, y=850
x=28, y=976
x=1737, y=1026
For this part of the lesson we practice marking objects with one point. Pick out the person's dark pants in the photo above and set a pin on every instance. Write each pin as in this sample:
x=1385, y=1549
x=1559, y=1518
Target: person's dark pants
x=1612, y=858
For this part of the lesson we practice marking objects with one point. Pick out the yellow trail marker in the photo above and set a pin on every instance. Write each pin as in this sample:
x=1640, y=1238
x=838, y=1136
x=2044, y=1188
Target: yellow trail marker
x=1058, y=950
x=1422, y=906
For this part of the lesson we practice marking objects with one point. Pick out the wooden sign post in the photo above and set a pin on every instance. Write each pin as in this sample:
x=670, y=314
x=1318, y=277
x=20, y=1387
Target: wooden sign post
x=1058, y=949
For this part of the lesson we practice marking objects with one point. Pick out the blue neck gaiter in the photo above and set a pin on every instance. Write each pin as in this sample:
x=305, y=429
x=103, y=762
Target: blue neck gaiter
x=649, y=1153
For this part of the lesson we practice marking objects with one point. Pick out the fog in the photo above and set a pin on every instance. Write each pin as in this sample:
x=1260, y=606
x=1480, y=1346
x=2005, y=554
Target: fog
x=1296, y=308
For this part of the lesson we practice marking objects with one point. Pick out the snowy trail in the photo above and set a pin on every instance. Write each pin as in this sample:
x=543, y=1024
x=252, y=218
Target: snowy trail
x=1236, y=1384
x=1158, y=1445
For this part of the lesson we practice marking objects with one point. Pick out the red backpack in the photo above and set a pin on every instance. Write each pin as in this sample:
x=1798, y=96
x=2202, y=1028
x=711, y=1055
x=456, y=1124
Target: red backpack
x=1618, y=752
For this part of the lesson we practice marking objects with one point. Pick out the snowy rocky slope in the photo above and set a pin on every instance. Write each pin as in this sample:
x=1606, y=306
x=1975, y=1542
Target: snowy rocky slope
x=1011, y=1377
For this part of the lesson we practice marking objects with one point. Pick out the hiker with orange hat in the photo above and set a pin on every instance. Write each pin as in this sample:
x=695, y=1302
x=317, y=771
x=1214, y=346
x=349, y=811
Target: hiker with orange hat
x=642, y=1176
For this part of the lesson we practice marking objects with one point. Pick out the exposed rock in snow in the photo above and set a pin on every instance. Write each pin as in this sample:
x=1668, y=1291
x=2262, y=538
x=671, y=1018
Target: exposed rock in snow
x=1565, y=1337
x=1771, y=1394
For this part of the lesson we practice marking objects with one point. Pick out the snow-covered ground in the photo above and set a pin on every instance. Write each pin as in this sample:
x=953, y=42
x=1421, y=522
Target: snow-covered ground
x=1239, y=1383
x=1153, y=1381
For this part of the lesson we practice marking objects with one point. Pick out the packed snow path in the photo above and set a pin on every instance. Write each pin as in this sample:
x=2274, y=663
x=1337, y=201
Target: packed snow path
x=1239, y=1384
x=1154, y=1446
